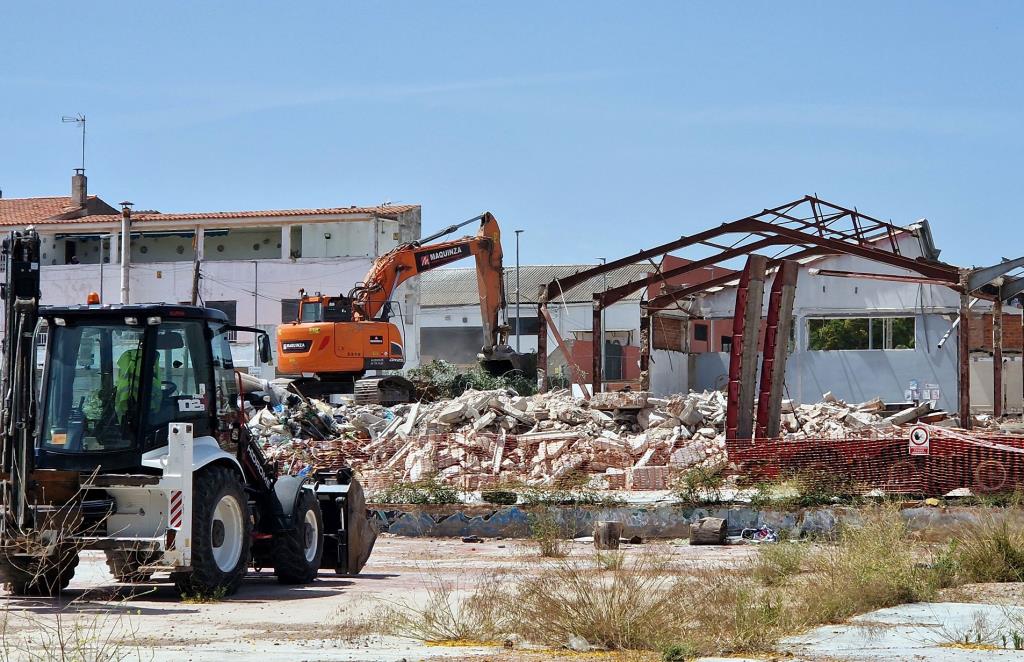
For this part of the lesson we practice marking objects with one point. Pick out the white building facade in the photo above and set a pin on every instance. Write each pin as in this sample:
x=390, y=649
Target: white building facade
x=252, y=264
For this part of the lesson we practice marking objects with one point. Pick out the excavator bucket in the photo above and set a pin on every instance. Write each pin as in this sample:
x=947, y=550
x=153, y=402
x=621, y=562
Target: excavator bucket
x=504, y=361
x=387, y=391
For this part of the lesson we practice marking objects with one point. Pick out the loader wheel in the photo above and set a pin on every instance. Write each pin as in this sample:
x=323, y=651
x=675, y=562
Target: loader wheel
x=297, y=553
x=221, y=535
x=46, y=577
x=124, y=566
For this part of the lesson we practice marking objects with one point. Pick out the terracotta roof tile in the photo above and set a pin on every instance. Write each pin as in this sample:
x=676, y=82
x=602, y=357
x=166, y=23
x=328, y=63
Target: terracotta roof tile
x=384, y=211
x=26, y=211
x=59, y=210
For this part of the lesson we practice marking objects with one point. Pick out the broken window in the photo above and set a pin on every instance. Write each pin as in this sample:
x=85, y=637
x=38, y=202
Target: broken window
x=700, y=332
x=860, y=333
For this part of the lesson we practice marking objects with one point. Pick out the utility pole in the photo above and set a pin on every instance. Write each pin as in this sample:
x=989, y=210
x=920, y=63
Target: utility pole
x=126, y=244
x=255, y=310
x=519, y=320
x=195, y=267
x=101, y=268
x=103, y=237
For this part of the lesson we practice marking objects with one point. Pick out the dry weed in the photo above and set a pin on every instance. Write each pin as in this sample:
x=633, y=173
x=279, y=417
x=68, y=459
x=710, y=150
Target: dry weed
x=449, y=613
x=632, y=608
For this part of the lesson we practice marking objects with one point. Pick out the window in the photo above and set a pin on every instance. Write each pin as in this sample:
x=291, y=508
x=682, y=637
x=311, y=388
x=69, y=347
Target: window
x=530, y=326
x=311, y=312
x=226, y=384
x=229, y=308
x=181, y=368
x=289, y=310
x=93, y=388
x=861, y=333
x=700, y=332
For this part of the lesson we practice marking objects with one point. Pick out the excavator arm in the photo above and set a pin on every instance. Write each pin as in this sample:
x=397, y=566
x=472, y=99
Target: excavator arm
x=409, y=260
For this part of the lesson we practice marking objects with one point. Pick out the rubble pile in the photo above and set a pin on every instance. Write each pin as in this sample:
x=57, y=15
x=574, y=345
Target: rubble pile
x=625, y=440
x=484, y=438
x=830, y=418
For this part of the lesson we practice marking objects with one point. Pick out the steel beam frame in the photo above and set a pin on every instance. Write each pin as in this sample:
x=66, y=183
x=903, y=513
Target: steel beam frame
x=824, y=220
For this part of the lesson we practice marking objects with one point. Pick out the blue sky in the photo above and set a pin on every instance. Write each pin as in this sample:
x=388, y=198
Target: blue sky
x=597, y=127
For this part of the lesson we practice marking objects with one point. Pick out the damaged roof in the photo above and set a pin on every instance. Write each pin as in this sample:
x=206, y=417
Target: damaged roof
x=458, y=287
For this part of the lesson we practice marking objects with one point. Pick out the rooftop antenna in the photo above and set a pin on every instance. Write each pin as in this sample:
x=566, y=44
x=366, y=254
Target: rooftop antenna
x=78, y=119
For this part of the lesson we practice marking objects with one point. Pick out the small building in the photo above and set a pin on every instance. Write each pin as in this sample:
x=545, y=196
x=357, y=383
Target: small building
x=451, y=330
x=450, y=326
x=855, y=337
x=252, y=263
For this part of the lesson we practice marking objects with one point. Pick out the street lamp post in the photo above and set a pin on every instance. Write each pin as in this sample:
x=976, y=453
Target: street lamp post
x=604, y=326
x=519, y=321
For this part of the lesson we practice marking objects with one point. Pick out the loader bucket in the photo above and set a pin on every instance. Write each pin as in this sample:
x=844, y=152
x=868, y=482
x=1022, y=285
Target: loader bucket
x=348, y=532
x=361, y=532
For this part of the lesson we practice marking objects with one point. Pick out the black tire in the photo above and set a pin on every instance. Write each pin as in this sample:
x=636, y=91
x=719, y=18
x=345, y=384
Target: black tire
x=213, y=486
x=43, y=577
x=296, y=561
x=124, y=566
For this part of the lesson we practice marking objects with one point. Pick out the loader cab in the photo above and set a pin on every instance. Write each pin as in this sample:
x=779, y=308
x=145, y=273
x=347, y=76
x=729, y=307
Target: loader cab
x=113, y=377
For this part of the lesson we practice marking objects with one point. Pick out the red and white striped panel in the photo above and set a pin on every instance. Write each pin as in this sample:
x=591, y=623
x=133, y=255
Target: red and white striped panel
x=176, y=509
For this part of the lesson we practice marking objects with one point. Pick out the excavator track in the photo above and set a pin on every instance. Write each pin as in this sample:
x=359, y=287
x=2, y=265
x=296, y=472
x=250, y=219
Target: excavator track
x=385, y=391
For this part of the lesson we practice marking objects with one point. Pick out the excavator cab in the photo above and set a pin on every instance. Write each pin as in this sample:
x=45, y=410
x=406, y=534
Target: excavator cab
x=320, y=308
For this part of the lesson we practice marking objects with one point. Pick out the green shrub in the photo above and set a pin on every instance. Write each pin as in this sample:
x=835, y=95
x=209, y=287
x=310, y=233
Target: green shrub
x=440, y=379
x=698, y=486
x=423, y=492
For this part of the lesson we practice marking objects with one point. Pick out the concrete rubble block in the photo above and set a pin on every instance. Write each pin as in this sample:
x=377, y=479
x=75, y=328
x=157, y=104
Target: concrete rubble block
x=453, y=413
x=619, y=400
x=909, y=414
x=485, y=421
x=638, y=444
x=644, y=459
x=691, y=415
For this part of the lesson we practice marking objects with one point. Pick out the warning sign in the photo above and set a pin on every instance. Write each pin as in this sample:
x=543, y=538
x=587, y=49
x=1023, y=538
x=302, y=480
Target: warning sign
x=919, y=440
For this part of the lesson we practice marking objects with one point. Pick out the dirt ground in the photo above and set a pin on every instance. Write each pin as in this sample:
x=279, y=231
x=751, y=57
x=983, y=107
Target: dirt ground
x=275, y=622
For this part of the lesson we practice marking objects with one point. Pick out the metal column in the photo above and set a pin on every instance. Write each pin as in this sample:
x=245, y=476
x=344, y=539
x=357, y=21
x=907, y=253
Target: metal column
x=743, y=354
x=997, y=358
x=645, y=349
x=776, y=347
x=542, y=348
x=596, y=382
x=964, y=360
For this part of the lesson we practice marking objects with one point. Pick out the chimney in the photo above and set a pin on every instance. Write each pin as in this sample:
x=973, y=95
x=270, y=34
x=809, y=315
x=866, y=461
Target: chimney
x=79, y=188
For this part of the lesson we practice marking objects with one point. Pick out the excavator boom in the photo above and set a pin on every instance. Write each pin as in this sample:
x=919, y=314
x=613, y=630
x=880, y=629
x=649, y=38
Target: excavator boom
x=339, y=338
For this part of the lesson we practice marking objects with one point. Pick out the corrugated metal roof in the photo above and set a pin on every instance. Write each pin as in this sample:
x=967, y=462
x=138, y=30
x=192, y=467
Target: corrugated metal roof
x=457, y=287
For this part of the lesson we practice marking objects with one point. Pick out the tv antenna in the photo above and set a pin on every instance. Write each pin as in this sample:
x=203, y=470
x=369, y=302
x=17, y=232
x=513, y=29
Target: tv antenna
x=78, y=119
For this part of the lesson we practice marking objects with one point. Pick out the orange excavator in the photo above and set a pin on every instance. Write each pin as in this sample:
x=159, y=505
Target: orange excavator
x=337, y=339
